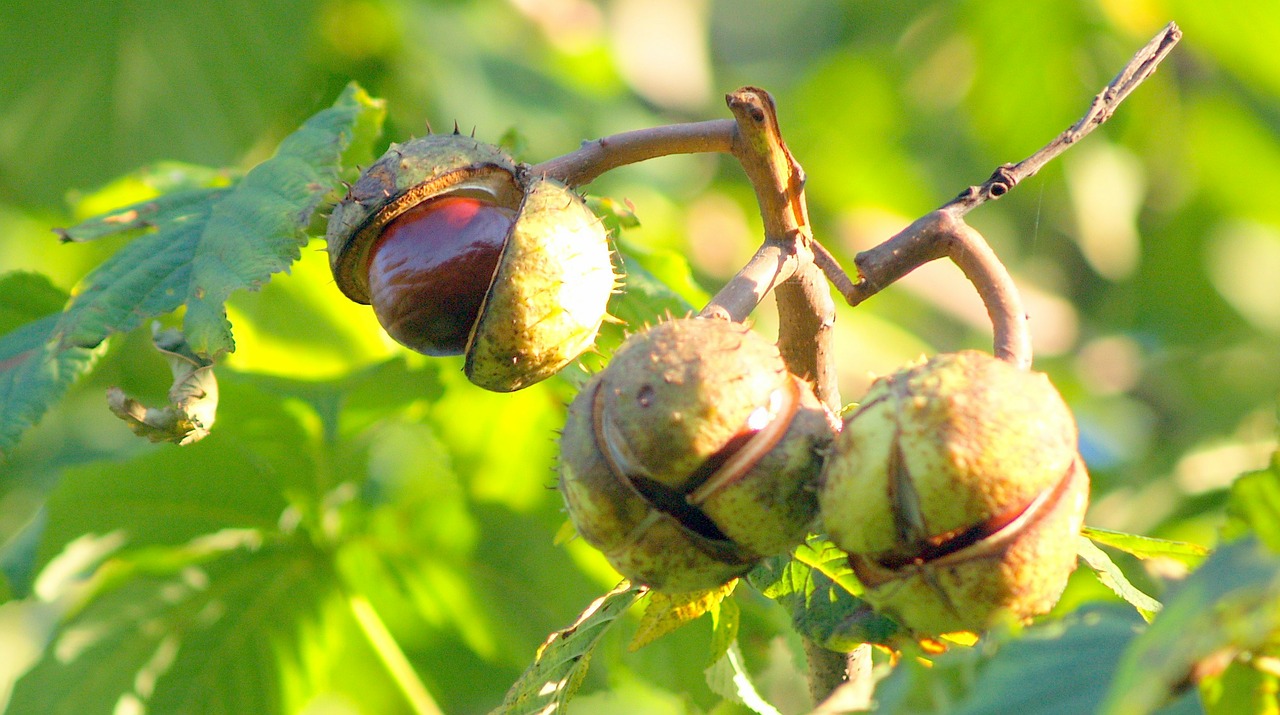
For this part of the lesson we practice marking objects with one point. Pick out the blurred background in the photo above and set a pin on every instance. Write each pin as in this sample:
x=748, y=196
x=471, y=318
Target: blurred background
x=1149, y=256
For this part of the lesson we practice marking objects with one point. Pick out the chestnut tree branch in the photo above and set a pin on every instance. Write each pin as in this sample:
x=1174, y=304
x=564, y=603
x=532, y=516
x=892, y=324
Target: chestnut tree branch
x=805, y=310
x=598, y=156
x=1104, y=104
x=943, y=233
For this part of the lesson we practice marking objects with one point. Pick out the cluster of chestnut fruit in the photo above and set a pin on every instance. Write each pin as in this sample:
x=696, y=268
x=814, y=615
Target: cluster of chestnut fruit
x=955, y=486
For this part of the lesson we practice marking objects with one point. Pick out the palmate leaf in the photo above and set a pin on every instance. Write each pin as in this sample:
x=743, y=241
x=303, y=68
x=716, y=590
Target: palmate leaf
x=164, y=497
x=816, y=585
x=206, y=243
x=200, y=629
x=1230, y=606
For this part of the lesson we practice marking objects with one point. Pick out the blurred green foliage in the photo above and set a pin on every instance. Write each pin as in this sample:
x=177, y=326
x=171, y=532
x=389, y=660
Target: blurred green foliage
x=342, y=466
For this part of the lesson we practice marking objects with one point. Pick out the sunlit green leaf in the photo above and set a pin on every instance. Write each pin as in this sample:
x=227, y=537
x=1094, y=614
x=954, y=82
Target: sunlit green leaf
x=354, y=402
x=1146, y=547
x=1254, y=506
x=1113, y=578
x=166, y=495
x=562, y=661
x=158, y=212
x=203, y=632
x=259, y=227
x=818, y=588
x=725, y=619
x=728, y=678
x=645, y=300
x=665, y=612
x=666, y=282
x=206, y=244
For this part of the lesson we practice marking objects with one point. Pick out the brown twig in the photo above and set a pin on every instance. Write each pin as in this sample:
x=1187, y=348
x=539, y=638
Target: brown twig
x=595, y=157
x=785, y=260
x=943, y=233
x=805, y=310
x=1104, y=104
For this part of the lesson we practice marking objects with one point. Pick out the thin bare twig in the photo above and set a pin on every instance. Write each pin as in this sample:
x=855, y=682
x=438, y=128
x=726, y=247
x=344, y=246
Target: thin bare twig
x=943, y=233
x=1104, y=104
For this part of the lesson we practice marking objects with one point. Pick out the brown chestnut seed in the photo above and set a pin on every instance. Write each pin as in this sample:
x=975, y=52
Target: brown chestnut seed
x=462, y=251
x=430, y=269
x=693, y=455
x=944, y=481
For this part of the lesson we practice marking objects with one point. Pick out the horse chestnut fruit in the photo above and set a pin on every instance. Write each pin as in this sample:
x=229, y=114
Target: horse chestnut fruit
x=430, y=269
x=693, y=455
x=957, y=489
x=461, y=251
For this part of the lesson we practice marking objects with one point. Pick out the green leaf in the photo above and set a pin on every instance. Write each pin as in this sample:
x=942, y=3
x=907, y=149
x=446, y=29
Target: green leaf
x=1146, y=547
x=1053, y=668
x=167, y=496
x=1230, y=603
x=1113, y=578
x=145, y=199
x=206, y=243
x=725, y=617
x=645, y=299
x=353, y=402
x=259, y=228
x=819, y=589
x=562, y=661
x=616, y=215
x=145, y=279
x=728, y=678
x=665, y=612
x=1253, y=506
x=675, y=289
x=27, y=626
x=203, y=628
x=35, y=371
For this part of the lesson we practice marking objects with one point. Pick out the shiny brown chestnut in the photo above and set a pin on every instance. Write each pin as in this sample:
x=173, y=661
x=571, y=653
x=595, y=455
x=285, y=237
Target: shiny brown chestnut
x=462, y=251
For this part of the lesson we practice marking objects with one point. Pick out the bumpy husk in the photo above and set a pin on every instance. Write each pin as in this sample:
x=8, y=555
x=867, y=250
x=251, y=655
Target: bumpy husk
x=958, y=490
x=693, y=455
x=548, y=295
